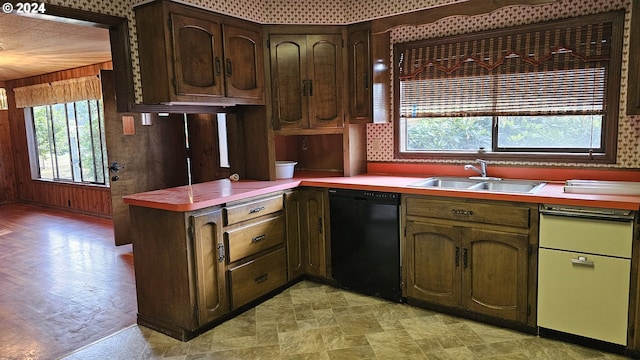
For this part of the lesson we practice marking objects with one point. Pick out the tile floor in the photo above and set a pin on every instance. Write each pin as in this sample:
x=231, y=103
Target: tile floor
x=64, y=285
x=313, y=321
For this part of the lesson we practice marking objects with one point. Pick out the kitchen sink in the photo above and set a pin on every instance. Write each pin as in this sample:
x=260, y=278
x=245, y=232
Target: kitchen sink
x=446, y=182
x=492, y=185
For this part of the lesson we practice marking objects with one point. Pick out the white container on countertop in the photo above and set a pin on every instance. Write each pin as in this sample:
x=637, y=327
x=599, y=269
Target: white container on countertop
x=284, y=169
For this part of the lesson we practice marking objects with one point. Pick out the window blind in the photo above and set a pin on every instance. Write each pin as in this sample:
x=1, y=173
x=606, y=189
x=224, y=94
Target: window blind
x=541, y=71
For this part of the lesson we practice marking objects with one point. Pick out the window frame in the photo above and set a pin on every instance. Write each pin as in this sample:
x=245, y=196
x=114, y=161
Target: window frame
x=34, y=158
x=610, y=125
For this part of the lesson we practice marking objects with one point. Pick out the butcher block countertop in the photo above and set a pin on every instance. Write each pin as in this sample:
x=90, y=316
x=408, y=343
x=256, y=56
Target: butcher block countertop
x=202, y=195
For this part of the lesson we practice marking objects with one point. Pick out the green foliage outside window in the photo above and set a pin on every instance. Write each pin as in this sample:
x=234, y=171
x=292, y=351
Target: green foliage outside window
x=70, y=141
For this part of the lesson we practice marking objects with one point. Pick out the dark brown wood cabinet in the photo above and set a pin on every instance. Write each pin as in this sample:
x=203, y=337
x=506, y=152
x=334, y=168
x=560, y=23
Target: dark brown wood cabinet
x=180, y=279
x=210, y=278
x=473, y=256
x=254, y=237
x=359, y=70
x=191, y=56
x=306, y=214
x=307, y=80
x=295, y=233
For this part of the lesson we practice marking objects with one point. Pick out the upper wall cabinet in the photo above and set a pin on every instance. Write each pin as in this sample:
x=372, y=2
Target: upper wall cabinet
x=359, y=74
x=191, y=56
x=307, y=81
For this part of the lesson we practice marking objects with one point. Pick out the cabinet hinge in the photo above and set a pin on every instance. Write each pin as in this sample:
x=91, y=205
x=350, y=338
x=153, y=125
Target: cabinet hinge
x=268, y=44
x=221, y=252
x=170, y=24
x=528, y=310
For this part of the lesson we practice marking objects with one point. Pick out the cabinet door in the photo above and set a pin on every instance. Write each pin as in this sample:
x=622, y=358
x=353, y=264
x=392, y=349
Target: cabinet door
x=243, y=63
x=289, y=81
x=211, y=286
x=495, y=267
x=325, y=80
x=197, y=56
x=295, y=234
x=359, y=77
x=314, y=222
x=433, y=262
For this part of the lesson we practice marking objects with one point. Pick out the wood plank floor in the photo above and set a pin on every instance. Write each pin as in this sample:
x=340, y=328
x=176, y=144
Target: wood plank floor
x=63, y=282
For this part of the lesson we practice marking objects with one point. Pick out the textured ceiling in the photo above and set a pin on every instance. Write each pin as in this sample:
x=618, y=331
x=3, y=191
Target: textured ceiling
x=30, y=46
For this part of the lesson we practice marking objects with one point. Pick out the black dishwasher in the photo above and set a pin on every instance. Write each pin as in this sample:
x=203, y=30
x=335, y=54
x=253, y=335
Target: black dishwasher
x=365, y=242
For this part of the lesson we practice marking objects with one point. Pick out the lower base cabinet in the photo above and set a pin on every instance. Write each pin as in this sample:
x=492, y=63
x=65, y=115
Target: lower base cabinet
x=306, y=214
x=180, y=278
x=193, y=269
x=456, y=256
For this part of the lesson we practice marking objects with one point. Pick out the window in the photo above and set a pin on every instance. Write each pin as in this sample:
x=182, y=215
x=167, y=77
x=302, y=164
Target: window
x=69, y=142
x=539, y=92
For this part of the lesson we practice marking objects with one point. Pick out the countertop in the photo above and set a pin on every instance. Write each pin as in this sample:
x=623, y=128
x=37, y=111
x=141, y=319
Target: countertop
x=199, y=196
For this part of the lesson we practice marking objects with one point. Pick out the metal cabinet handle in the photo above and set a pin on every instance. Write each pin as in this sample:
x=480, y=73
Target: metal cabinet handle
x=229, y=68
x=256, y=210
x=457, y=256
x=465, y=258
x=304, y=87
x=310, y=87
x=582, y=261
x=258, y=238
x=218, y=66
x=261, y=278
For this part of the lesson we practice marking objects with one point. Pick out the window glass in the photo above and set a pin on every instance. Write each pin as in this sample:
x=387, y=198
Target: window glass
x=69, y=141
x=538, y=89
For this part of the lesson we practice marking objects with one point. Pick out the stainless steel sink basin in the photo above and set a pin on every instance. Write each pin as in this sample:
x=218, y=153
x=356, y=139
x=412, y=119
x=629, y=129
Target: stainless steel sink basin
x=493, y=185
x=446, y=182
x=517, y=186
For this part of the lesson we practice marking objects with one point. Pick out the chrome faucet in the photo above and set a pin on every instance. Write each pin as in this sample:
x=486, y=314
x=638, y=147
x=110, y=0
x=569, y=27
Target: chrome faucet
x=483, y=168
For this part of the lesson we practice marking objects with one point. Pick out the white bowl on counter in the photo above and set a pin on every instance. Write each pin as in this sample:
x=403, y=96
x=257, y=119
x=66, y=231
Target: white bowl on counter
x=284, y=169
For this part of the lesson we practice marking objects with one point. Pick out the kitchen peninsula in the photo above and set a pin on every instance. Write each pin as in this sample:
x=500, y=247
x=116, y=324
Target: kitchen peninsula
x=209, y=251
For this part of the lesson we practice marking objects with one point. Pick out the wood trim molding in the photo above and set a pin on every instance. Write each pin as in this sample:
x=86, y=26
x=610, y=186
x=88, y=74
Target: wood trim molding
x=633, y=82
x=463, y=8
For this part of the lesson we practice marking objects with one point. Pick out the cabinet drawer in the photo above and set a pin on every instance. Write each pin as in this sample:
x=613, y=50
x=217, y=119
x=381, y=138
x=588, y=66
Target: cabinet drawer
x=253, y=238
x=256, y=278
x=253, y=209
x=469, y=212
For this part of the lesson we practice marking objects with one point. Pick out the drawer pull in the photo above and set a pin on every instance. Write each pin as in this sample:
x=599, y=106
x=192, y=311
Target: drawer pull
x=261, y=278
x=462, y=212
x=258, y=238
x=582, y=261
x=256, y=210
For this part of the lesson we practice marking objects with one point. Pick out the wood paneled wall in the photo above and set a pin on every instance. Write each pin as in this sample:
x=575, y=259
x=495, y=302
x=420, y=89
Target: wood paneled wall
x=94, y=200
x=8, y=190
